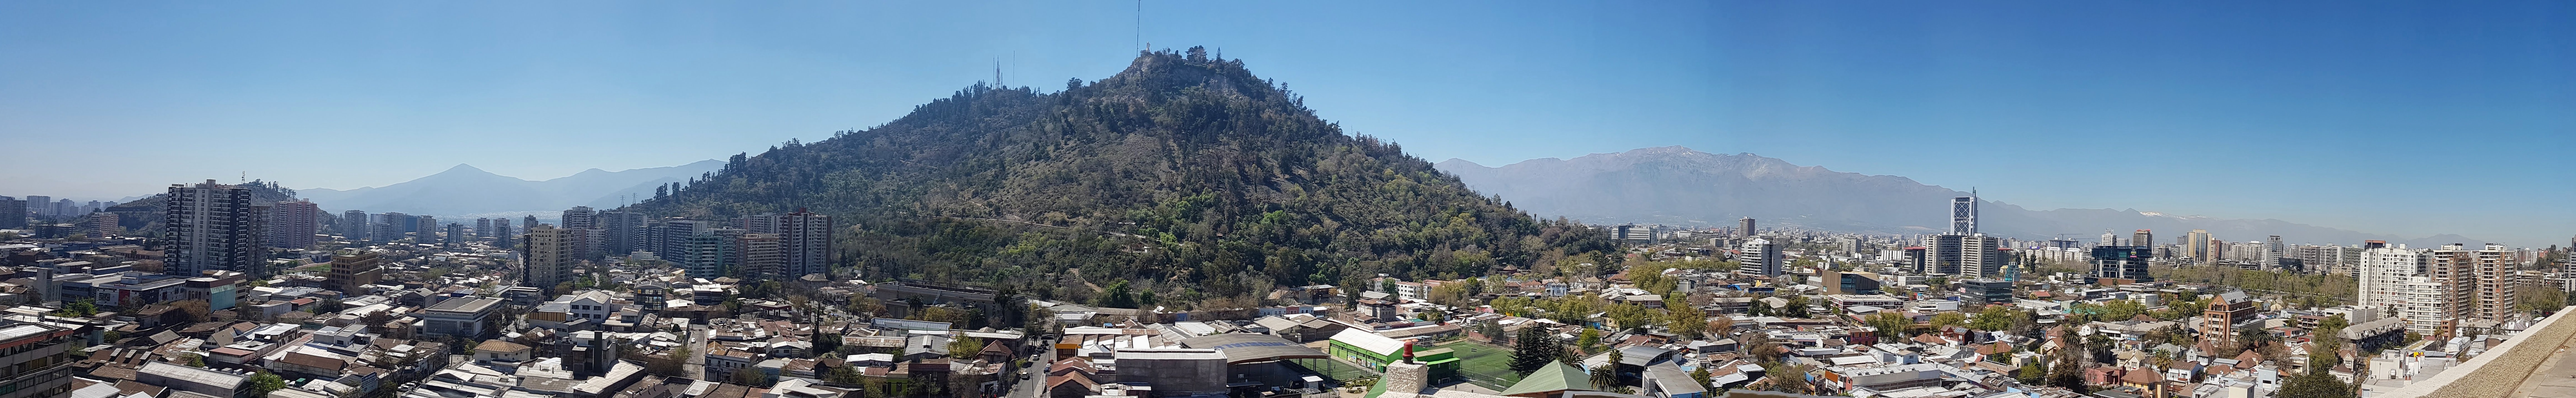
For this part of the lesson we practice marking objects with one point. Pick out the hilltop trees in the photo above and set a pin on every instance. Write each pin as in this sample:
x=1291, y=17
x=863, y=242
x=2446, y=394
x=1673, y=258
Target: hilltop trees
x=1191, y=171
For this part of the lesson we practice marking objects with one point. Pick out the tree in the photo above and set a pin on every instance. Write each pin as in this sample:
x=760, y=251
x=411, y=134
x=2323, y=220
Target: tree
x=193, y=311
x=752, y=377
x=78, y=308
x=1890, y=325
x=1786, y=378
x=1532, y=349
x=1685, y=321
x=1721, y=325
x=1996, y=318
x=1797, y=307
x=1118, y=295
x=1948, y=319
x=966, y=347
x=1607, y=374
x=2032, y=374
x=1589, y=341
x=264, y=382
x=2315, y=384
x=844, y=375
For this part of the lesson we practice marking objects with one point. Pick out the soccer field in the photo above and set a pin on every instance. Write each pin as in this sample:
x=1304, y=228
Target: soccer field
x=1485, y=365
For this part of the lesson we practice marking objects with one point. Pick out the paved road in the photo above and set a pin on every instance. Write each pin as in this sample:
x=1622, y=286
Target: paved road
x=1035, y=385
x=696, y=364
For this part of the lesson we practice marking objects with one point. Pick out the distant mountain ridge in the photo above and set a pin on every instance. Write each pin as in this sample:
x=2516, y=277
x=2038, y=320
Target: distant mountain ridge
x=465, y=190
x=1677, y=185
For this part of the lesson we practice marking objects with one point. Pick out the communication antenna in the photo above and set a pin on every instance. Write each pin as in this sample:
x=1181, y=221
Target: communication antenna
x=997, y=72
x=1140, y=24
x=245, y=177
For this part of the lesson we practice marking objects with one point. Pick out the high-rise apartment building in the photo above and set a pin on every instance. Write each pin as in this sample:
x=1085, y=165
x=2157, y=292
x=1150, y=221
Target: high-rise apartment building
x=621, y=232
x=2328, y=258
x=1760, y=257
x=505, y=237
x=355, y=225
x=455, y=235
x=13, y=213
x=804, y=243
x=2108, y=239
x=707, y=253
x=212, y=226
x=2405, y=281
x=2195, y=246
x=580, y=217
x=2484, y=280
x=673, y=236
x=2273, y=250
x=546, y=257
x=483, y=227
x=2142, y=238
x=527, y=222
x=1744, y=227
x=757, y=256
x=424, y=229
x=41, y=205
x=291, y=224
x=384, y=232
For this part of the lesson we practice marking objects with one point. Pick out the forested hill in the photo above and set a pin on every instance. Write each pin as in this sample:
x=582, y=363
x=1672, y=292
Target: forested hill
x=1185, y=174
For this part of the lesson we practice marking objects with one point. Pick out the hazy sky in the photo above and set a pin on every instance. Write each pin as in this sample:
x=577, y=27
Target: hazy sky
x=2409, y=118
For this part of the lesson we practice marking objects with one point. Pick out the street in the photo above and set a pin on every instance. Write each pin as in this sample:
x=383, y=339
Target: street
x=1035, y=385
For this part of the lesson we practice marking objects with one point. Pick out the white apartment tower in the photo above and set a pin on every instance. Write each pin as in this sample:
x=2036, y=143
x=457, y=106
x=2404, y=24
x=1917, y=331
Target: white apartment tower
x=546, y=255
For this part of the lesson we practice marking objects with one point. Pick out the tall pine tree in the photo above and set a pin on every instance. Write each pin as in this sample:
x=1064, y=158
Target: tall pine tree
x=1532, y=349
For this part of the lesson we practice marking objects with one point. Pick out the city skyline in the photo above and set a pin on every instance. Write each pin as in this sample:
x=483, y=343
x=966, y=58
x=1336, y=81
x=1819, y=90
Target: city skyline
x=2251, y=114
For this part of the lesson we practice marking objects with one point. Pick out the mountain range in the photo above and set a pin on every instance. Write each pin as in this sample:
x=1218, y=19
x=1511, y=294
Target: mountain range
x=464, y=190
x=1677, y=185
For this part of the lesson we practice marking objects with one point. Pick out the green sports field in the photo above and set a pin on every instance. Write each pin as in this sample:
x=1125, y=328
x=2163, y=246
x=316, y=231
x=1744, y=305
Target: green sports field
x=1485, y=365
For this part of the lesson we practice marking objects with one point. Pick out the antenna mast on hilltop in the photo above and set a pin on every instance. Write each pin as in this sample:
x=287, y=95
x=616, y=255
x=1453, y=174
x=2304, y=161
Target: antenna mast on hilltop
x=997, y=72
x=1140, y=25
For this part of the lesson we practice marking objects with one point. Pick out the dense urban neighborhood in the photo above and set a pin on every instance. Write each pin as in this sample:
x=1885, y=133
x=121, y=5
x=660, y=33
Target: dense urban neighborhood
x=238, y=290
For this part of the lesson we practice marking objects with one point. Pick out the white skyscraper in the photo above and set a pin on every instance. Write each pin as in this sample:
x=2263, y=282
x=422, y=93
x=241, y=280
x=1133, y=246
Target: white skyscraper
x=1963, y=215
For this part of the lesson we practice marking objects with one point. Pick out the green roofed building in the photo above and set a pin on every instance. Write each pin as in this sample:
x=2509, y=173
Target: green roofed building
x=1367, y=349
x=1550, y=380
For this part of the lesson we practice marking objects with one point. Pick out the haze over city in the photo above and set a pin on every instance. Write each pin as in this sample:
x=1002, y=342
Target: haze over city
x=1447, y=199
x=2268, y=111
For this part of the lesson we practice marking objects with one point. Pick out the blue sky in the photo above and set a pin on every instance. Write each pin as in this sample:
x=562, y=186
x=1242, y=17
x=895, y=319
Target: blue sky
x=2407, y=118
